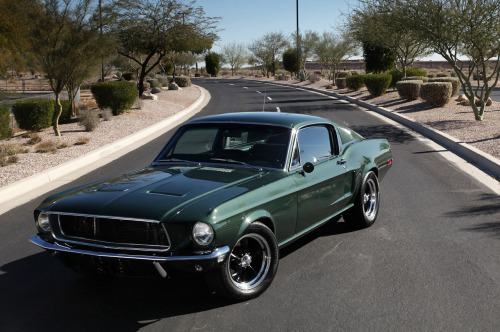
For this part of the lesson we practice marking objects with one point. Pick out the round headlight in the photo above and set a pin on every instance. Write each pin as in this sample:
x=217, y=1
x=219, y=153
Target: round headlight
x=43, y=221
x=203, y=233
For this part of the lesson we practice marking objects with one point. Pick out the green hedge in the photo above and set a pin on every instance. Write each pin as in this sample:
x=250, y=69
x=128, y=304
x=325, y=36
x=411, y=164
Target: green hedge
x=397, y=75
x=355, y=82
x=128, y=76
x=119, y=96
x=33, y=114
x=4, y=122
x=341, y=83
x=377, y=84
x=455, y=82
x=183, y=81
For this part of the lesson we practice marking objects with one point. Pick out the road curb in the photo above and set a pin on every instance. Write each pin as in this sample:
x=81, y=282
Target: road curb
x=482, y=160
x=24, y=190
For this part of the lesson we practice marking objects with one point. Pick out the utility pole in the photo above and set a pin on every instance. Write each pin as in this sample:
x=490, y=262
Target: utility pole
x=100, y=29
x=298, y=40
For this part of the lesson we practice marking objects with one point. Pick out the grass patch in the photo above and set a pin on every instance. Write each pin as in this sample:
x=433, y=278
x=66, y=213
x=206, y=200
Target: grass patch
x=82, y=140
x=34, y=139
x=8, y=154
x=46, y=147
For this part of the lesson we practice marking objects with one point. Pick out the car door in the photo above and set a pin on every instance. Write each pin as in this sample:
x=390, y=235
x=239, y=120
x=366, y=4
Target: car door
x=320, y=192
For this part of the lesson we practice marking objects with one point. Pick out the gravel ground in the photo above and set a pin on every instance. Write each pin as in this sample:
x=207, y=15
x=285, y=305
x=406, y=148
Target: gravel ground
x=453, y=119
x=149, y=113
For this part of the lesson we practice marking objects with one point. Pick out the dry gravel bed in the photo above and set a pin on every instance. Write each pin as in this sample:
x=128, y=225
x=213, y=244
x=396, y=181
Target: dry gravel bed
x=453, y=119
x=149, y=113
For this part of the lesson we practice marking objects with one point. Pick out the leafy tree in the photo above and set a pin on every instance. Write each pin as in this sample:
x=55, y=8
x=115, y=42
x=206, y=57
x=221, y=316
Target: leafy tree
x=212, y=63
x=234, y=55
x=378, y=59
x=269, y=49
x=261, y=55
x=60, y=34
x=307, y=43
x=290, y=60
x=454, y=29
x=332, y=49
x=149, y=30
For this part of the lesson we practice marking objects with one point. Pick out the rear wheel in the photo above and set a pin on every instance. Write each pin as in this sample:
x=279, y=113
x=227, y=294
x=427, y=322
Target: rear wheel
x=250, y=268
x=366, y=204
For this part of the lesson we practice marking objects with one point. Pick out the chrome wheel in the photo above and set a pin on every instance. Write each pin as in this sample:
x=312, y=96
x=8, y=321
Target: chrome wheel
x=249, y=262
x=370, y=199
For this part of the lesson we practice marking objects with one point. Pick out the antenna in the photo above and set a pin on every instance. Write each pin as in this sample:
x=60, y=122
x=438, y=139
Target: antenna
x=264, y=104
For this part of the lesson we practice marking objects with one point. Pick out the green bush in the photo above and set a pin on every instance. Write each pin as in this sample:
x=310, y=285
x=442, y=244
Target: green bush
x=197, y=75
x=436, y=94
x=4, y=122
x=119, y=96
x=410, y=72
x=343, y=74
x=409, y=89
x=183, y=81
x=355, y=82
x=154, y=83
x=341, y=83
x=164, y=81
x=455, y=82
x=155, y=90
x=173, y=86
x=33, y=114
x=146, y=85
x=377, y=84
x=329, y=87
x=128, y=76
x=66, y=111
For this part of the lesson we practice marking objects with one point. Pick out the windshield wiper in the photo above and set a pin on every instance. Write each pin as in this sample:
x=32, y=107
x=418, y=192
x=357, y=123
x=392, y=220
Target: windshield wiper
x=175, y=160
x=232, y=161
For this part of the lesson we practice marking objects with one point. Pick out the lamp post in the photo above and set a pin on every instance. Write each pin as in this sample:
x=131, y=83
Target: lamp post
x=298, y=40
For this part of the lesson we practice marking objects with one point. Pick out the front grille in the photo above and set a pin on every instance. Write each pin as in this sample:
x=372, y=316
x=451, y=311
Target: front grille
x=109, y=230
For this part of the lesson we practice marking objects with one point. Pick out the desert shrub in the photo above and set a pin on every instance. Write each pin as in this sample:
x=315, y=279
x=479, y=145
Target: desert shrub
x=341, y=83
x=4, y=122
x=283, y=77
x=355, y=82
x=106, y=114
x=416, y=78
x=409, y=89
x=431, y=76
x=455, y=82
x=34, y=139
x=128, y=76
x=164, y=81
x=441, y=75
x=154, y=83
x=314, y=78
x=46, y=147
x=119, y=96
x=173, y=86
x=34, y=114
x=343, y=74
x=436, y=93
x=155, y=90
x=410, y=72
x=377, y=84
x=197, y=75
x=82, y=140
x=303, y=75
x=89, y=119
x=8, y=154
x=183, y=81
x=329, y=87
x=355, y=72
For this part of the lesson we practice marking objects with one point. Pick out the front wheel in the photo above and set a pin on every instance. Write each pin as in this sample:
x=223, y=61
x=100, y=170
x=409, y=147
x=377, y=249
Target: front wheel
x=366, y=204
x=250, y=268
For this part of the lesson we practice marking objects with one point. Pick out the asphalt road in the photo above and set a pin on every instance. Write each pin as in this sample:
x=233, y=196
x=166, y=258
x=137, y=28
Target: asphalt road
x=430, y=262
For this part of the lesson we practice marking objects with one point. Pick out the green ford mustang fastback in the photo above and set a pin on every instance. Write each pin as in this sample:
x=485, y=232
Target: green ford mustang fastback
x=221, y=198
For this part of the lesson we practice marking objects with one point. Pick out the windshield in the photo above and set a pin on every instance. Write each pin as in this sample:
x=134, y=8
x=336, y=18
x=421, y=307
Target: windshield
x=255, y=145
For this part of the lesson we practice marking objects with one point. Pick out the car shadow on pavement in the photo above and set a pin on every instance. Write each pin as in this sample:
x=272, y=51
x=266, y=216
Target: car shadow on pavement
x=40, y=294
x=391, y=133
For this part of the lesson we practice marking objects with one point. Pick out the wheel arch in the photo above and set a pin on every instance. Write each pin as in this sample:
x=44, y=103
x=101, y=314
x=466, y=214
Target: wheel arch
x=261, y=216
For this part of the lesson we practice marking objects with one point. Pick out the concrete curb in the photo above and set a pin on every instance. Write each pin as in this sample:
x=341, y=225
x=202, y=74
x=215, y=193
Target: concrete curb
x=24, y=190
x=482, y=160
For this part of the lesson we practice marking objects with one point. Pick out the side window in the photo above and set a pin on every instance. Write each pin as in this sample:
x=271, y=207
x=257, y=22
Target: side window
x=314, y=144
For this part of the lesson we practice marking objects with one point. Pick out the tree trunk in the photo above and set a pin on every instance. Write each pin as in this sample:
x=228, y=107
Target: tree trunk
x=57, y=114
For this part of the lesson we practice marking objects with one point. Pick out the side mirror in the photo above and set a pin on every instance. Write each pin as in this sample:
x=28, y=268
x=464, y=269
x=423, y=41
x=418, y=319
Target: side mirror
x=308, y=167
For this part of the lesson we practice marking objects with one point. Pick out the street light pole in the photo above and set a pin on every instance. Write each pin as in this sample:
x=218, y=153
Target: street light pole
x=298, y=40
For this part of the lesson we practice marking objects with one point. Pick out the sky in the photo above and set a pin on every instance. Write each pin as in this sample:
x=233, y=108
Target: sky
x=244, y=21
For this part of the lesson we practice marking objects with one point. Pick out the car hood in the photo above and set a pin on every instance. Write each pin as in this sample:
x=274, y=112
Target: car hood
x=152, y=193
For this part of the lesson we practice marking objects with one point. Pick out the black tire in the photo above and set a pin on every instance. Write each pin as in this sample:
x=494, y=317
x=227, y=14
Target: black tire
x=250, y=267
x=366, y=204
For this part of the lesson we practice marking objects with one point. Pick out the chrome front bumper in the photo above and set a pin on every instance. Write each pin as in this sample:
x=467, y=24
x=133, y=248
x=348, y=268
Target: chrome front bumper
x=218, y=254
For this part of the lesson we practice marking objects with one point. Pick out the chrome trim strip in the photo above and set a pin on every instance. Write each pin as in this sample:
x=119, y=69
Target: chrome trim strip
x=102, y=216
x=56, y=247
x=101, y=246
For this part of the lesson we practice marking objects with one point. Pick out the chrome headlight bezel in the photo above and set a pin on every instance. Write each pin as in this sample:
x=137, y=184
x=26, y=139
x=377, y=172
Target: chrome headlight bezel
x=203, y=234
x=43, y=222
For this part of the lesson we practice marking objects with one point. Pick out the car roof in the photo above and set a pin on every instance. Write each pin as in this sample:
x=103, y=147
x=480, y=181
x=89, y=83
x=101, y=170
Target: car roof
x=291, y=120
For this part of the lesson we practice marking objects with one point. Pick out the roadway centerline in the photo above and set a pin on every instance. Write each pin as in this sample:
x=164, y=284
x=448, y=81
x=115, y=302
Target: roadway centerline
x=269, y=98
